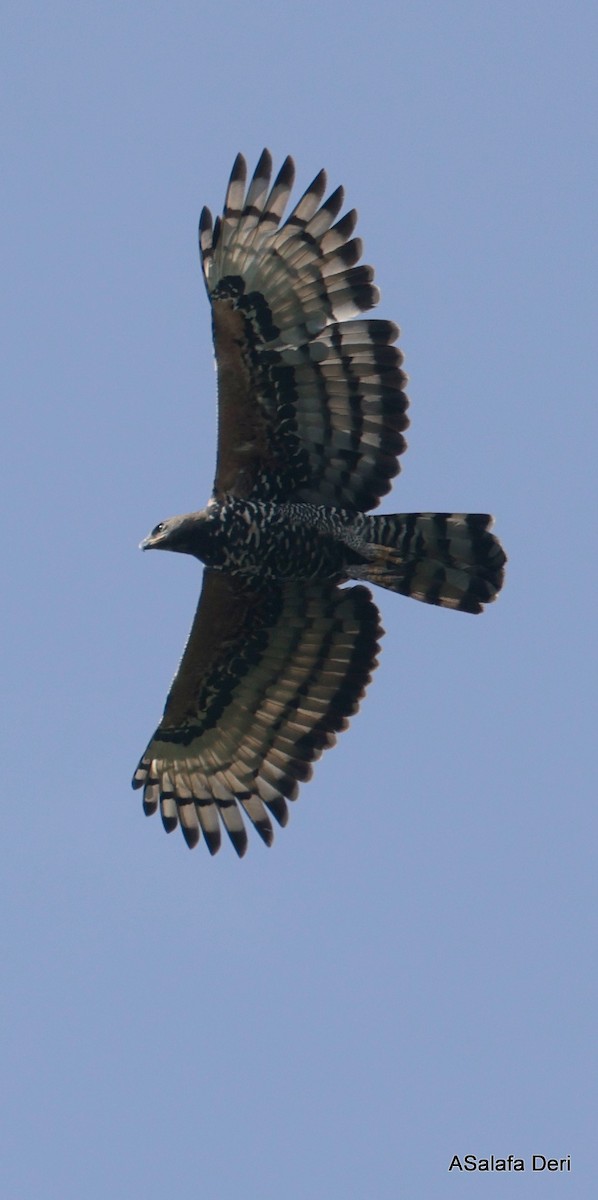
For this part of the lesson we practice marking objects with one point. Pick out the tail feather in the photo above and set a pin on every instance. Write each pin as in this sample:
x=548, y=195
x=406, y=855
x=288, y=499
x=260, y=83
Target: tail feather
x=449, y=559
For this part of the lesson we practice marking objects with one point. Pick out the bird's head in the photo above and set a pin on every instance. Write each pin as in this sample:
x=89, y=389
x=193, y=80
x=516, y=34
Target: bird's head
x=189, y=534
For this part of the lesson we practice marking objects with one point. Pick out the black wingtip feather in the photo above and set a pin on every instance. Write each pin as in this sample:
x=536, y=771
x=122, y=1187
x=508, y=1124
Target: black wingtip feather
x=345, y=226
x=265, y=831
x=279, y=810
x=239, y=171
x=263, y=169
x=240, y=841
x=205, y=219
x=212, y=842
x=286, y=175
x=191, y=835
x=334, y=203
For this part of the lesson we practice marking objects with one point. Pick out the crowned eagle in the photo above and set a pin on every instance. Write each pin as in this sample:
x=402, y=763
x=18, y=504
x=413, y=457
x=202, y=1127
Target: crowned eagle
x=311, y=418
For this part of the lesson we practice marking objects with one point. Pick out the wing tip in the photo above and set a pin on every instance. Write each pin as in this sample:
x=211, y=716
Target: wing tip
x=239, y=171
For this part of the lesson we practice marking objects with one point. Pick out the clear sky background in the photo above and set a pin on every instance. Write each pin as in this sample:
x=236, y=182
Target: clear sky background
x=409, y=973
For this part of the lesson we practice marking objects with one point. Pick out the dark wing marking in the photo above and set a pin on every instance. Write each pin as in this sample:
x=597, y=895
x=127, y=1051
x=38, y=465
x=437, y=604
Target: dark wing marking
x=311, y=403
x=266, y=681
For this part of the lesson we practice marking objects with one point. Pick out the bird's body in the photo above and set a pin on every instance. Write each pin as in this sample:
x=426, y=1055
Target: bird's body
x=263, y=542
x=311, y=421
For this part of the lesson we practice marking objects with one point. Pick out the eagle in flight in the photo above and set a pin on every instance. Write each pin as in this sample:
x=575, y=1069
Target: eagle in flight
x=311, y=417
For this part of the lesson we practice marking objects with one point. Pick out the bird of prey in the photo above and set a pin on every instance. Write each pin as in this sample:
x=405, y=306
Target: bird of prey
x=311, y=417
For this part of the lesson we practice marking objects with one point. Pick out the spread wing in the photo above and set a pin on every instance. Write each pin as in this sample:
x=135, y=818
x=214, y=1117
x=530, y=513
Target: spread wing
x=266, y=681
x=311, y=403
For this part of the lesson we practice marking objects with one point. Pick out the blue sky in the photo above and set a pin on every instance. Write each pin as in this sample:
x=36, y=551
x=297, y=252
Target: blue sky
x=409, y=973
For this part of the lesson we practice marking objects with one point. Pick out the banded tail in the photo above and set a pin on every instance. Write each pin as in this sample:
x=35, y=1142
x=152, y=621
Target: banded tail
x=449, y=559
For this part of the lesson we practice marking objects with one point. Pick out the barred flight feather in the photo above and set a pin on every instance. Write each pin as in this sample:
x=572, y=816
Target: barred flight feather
x=297, y=288
x=318, y=658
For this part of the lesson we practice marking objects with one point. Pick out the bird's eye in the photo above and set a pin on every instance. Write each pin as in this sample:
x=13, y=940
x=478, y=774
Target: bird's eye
x=159, y=529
